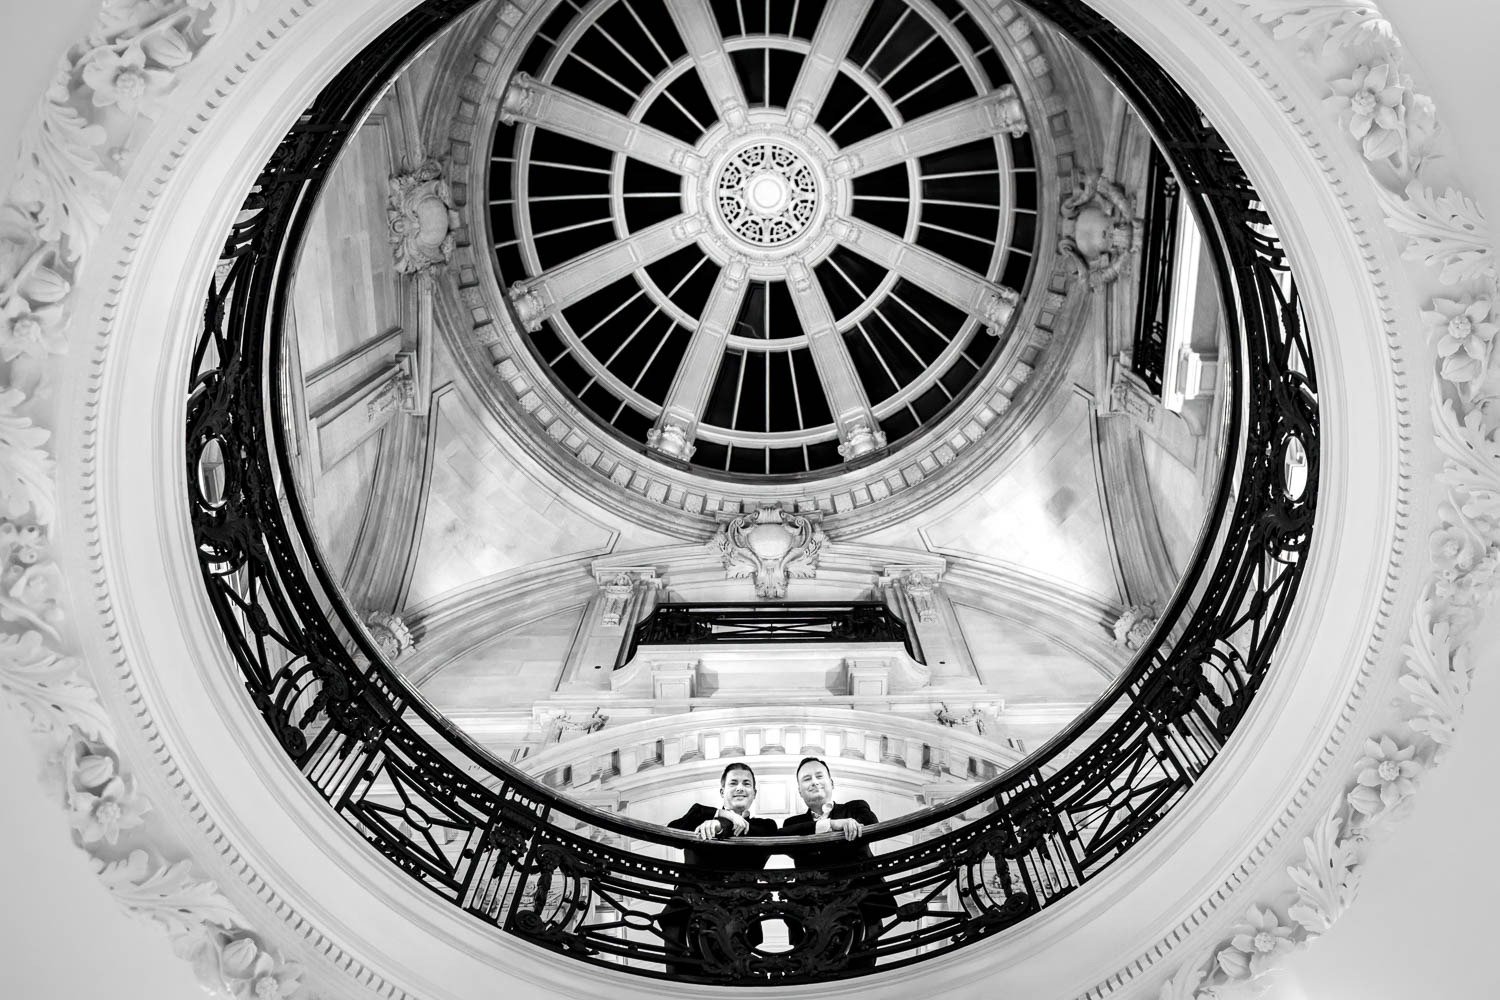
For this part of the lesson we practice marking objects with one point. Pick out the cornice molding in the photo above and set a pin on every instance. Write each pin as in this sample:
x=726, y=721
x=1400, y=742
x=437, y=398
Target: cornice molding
x=100, y=233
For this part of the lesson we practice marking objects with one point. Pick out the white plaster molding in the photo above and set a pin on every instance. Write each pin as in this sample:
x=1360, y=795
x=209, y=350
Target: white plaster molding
x=184, y=752
x=90, y=125
x=1353, y=51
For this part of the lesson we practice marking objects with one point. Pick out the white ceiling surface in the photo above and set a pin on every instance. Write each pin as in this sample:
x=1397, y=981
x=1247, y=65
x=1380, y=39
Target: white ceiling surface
x=1055, y=672
x=1045, y=513
x=1422, y=926
x=487, y=515
x=516, y=667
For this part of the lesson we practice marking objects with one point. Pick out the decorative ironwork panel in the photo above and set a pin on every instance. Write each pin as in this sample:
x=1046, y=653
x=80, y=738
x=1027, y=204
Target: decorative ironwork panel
x=1149, y=353
x=770, y=622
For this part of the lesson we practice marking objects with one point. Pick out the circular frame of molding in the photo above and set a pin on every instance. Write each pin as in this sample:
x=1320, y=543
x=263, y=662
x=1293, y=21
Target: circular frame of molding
x=221, y=785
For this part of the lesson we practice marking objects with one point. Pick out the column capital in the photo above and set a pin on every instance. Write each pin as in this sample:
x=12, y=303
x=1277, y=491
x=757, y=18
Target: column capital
x=619, y=585
x=919, y=582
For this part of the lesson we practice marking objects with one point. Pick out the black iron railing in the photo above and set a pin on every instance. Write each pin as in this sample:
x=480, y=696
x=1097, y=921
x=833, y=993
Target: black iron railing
x=770, y=622
x=534, y=863
x=1158, y=257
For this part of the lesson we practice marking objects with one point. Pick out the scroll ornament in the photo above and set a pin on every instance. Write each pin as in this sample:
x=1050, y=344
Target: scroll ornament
x=422, y=219
x=770, y=545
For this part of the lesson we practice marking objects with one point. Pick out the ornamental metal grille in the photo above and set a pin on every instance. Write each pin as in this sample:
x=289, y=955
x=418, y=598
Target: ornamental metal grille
x=535, y=864
x=767, y=194
x=770, y=622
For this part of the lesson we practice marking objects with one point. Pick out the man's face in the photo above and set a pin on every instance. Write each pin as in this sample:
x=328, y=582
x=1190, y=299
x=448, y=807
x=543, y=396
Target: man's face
x=814, y=784
x=738, y=791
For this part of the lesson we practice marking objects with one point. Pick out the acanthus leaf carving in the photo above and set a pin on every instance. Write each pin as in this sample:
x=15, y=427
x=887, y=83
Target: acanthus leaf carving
x=1100, y=233
x=46, y=687
x=422, y=219
x=223, y=13
x=167, y=895
x=1436, y=681
x=94, y=113
x=1445, y=231
x=1338, y=23
x=62, y=187
x=26, y=483
x=1184, y=984
x=1328, y=879
x=236, y=966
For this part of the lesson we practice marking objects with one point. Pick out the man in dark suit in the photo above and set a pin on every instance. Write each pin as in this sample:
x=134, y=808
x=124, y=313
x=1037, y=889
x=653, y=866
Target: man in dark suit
x=824, y=815
x=732, y=819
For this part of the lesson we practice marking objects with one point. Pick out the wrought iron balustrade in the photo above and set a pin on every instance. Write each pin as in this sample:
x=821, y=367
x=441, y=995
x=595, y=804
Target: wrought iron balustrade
x=1158, y=258
x=536, y=864
x=770, y=622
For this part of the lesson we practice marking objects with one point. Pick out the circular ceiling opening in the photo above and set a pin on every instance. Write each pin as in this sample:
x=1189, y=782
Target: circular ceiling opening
x=773, y=263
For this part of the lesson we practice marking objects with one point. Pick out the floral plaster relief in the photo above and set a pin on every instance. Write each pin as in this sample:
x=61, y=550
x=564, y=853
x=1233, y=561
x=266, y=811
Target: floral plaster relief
x=1394, y=128
x=99, y=106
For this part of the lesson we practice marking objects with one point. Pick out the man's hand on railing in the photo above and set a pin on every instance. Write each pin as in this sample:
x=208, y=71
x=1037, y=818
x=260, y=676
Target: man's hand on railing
x=849, y=827
x=739, y=825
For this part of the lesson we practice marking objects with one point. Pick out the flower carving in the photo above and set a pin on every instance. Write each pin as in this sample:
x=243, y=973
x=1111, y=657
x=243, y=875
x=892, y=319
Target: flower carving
x=1386, y=774
x=1370, y=99
x=101, y=803
x=103, y=815
x=31, y=296
x=31, y=584
x=1465, y=331
x=1257, y=945
x=1454, y=550
x=252, y=974
x=124, y=81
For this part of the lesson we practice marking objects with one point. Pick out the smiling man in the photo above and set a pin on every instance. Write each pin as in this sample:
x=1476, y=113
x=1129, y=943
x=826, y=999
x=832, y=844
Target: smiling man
x=731, y=819
x=825, y=815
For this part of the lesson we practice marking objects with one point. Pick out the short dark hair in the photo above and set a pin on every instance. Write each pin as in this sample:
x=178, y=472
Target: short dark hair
x=738, y=766
x=812, y=760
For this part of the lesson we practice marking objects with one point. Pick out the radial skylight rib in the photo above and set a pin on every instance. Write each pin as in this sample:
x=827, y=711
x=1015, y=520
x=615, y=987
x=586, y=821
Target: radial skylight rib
x=907, y=61
x=613, y=313
x=963, y=173
x=606, y=77
x=880, y=357
x=922, y=319
x=791, y=370
x=982, y=240
x=890, y=33
x=602, y=220
x=923, y=86
x=896, y=332
x=662, y=343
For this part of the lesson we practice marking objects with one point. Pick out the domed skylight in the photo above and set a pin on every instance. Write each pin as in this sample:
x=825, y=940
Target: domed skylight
x=763, y=239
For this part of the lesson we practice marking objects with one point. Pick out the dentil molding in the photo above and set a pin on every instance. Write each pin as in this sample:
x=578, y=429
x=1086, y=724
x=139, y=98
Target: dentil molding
x=147, y=139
